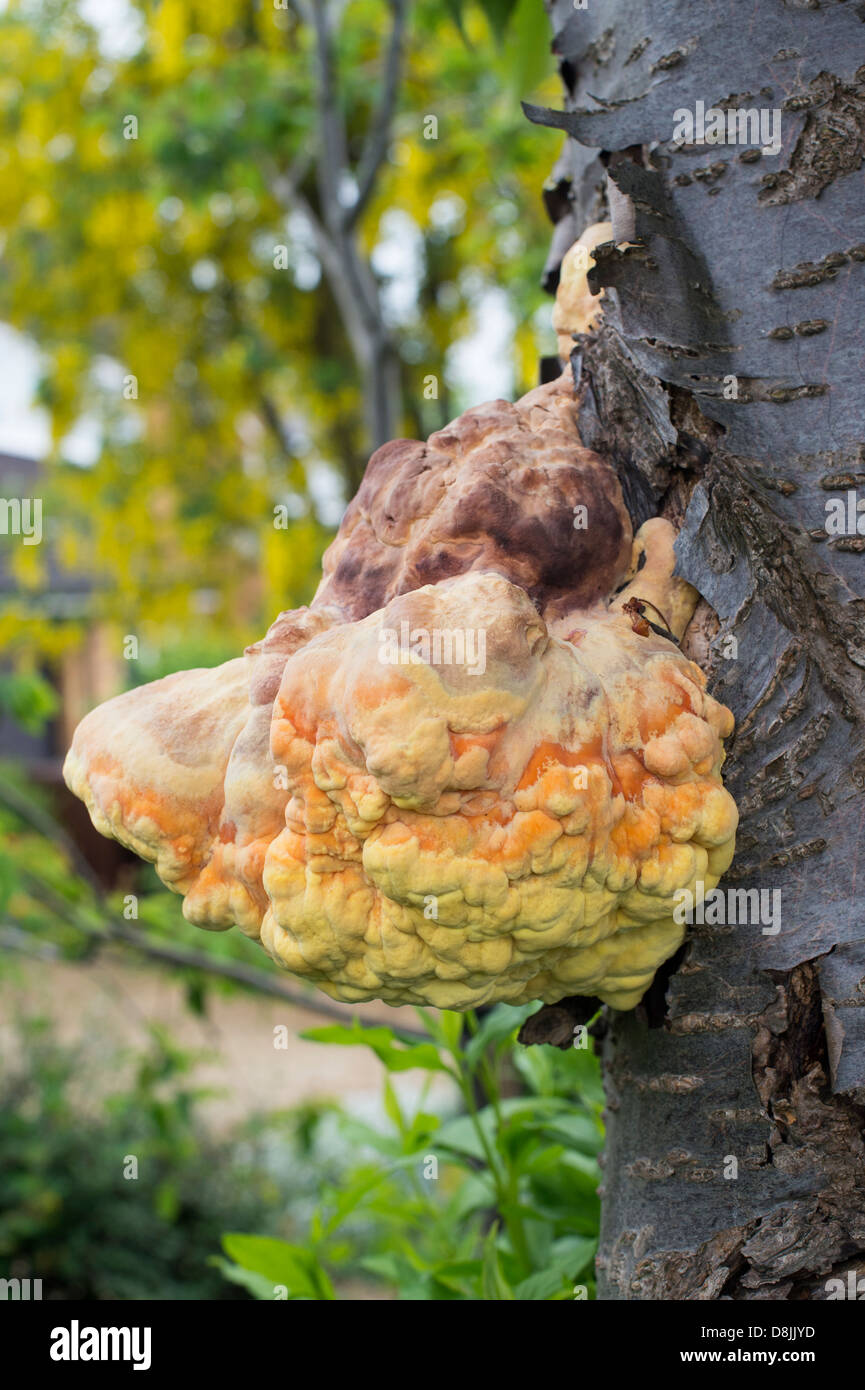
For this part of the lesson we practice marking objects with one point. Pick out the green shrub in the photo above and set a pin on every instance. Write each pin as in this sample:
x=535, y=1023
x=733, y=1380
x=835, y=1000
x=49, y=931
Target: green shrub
x=69, y=1217
x=499, y=1202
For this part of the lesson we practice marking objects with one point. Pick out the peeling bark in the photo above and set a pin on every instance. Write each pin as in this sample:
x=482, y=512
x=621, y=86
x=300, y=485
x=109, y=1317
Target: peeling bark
x=748, y=268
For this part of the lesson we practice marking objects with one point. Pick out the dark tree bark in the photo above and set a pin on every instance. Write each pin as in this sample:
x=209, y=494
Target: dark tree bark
x=748, y=271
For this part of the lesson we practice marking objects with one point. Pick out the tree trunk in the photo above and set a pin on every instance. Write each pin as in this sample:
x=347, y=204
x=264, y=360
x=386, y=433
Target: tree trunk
x=727, y=384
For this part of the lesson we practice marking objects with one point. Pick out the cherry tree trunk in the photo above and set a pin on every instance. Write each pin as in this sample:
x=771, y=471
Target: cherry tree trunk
x=728, y=384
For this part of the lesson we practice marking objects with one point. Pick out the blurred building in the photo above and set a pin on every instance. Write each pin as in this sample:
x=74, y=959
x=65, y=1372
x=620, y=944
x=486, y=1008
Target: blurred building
x=89, y=670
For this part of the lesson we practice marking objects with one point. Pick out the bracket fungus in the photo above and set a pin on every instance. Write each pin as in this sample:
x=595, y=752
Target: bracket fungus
x=476, y=768
x=576, y=309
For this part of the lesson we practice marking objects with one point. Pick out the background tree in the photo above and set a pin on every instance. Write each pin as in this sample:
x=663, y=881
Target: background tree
x=727, y=384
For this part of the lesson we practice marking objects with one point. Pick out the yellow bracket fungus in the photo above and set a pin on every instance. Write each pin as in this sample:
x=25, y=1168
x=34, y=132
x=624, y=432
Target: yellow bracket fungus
x=476, y=768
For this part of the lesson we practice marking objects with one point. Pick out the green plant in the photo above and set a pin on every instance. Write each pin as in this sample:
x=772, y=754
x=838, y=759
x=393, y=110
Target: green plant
x=75, y=1213
x=27, y=698
x=497, y=1202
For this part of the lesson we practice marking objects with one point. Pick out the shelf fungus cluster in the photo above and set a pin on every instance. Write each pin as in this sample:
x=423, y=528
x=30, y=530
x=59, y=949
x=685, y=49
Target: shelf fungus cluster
x=476, y=768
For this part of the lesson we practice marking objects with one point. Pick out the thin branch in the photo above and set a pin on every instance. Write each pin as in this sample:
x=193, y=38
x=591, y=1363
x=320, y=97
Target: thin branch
x=349, y=274
x=286, y=185
x=346, y=280
x=332, y=163
x=273, y=420
x=244, y=975
x=378, y=135
x=13, y=938
x=239, y=974
x=301, y=10
x=45, y=824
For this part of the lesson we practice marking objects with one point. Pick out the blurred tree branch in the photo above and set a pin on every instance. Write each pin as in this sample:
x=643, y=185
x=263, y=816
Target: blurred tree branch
x=344, y=191
x=248, y=977
x=93, y=920
x=378, y=136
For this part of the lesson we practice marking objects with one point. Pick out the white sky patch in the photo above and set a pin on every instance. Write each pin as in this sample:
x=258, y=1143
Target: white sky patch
x=205, y=274
x=83, y=444
x=447, y=214
x=478, y=367
x=303, y=257
x=545, y=337
x=398, y=259
x=117, y=25
x=326, y=490
x=170, y=209
x=347, y=190
x=25, y=429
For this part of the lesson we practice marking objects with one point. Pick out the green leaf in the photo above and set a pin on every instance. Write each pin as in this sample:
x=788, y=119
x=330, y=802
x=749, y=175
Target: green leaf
x=256, y=1284
x=499, y=1024
x=459, y=1135
x=353, y=1194
x=571, y=1187
x=383, y=1042
x=528, y=47
x=459, y=1277
x=392, y=1108
x=570, y=1255
x=563, y=1263
x=475, y=1193
x=455, y=10
x=281, y=1264
x=543, y=1284
x=421, y=1132
x=498, y=13
x=167, y=1200
x=362, y=1135
x=388, y=1266
x=575, y=1130
x=452, y=1030
x=525, y=1115
x=494, y=1285
x=28, y=699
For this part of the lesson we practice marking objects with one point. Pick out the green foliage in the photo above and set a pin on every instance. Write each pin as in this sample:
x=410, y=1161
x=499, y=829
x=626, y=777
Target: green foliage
x=396, y=1052
x=27, y=698
x=274, y=1262
x=148, y=258
x=499, y=1202
x=68, y=1215
x=522, y=36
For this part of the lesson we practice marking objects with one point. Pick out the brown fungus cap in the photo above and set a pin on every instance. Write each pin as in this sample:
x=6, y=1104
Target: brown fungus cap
x=498, y=489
